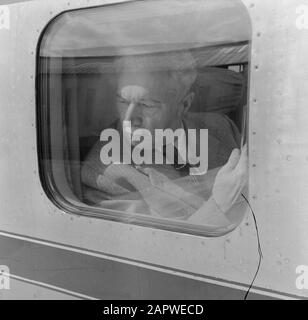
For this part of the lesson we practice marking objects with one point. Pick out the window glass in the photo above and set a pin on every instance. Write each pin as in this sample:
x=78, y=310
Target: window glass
x=142, y=113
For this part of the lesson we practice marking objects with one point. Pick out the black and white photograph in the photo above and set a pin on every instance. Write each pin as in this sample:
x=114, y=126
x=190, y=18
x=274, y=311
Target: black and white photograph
x=153, y=150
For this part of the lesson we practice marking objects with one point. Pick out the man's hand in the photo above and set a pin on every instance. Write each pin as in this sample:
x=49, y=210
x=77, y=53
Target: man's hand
x=231, y=179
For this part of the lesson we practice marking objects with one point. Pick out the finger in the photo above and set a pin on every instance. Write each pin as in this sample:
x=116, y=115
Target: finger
x=233, y=160
x=156, y=177
x=242, y=165
x=244, y=148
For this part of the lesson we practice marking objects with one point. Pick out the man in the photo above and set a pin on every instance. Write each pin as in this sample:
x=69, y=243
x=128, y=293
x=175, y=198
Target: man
x=154, y=93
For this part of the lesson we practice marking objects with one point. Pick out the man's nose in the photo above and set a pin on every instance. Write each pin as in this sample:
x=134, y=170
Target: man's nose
x=133, y=114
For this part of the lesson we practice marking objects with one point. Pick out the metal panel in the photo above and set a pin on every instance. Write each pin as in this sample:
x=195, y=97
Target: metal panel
x=278, y=160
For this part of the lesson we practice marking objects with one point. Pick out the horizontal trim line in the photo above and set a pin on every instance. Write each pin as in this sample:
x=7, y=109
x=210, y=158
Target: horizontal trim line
x=48, y=286
x=156, y=267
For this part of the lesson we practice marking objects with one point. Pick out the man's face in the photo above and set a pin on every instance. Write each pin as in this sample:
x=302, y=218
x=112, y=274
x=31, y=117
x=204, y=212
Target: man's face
x=147, y=101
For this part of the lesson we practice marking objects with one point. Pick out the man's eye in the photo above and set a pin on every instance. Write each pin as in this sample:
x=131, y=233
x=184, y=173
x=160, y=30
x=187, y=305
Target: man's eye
x=121, y=100
x=145, y=105
x=148, y=106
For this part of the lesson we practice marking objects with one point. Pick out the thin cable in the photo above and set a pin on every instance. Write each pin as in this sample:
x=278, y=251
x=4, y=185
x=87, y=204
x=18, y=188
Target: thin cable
x=259, y=248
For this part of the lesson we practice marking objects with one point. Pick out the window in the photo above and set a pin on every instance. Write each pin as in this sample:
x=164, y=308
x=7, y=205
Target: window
x=113, y=79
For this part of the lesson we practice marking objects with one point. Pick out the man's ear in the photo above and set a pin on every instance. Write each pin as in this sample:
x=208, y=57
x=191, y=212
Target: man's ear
x=187, y=102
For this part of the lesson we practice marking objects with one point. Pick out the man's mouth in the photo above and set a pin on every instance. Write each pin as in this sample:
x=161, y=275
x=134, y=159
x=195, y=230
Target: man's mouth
x=136, y=132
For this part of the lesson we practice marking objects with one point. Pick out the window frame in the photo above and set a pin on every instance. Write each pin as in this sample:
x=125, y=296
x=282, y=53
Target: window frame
x=80, y=209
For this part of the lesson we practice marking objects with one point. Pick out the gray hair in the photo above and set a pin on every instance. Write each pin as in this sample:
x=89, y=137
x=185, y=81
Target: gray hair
x=179, y=67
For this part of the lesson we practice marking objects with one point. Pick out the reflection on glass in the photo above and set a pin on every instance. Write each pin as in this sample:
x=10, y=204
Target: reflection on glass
x=144, y=109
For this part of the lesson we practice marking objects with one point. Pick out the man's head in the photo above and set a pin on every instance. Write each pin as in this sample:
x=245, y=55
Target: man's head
x=154, y=90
